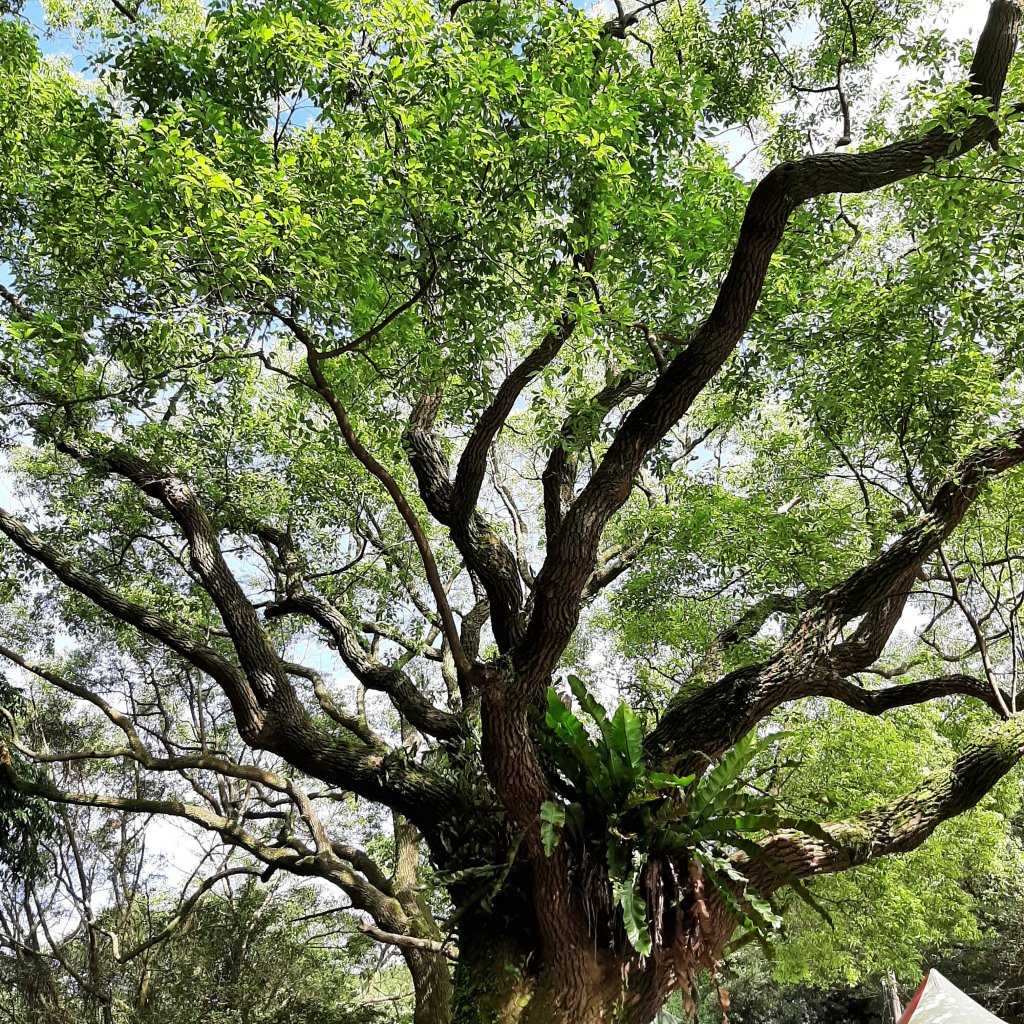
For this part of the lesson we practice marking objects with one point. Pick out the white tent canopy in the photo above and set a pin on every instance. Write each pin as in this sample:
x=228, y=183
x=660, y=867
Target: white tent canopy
x=939, y=1001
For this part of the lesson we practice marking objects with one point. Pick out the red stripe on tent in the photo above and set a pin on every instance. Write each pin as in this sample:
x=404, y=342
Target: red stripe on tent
x=908, y=1013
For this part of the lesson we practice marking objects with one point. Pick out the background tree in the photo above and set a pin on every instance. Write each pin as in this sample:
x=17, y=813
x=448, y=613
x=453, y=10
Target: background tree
x=89, y=914
x=374, y=372
x=983, y=965
x=83, y=946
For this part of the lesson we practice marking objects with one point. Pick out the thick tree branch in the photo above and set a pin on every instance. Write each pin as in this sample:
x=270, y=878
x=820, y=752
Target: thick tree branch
x=817, y=653
x=374, y=675
x=419, y=794
x=410, y=941
x=610, y=566
x=747, y=626
x=485, y=552
x=899, y=826
x=354, y=723
x=473, y=623
x=385, y=631
x=469, y=476
x=573, y=549
x=260, y=661
x=919, y=691
x=234, y=683
x=559, y=475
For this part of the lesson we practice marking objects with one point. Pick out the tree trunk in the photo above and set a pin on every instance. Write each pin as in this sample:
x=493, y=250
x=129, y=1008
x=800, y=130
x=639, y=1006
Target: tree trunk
x=893, y=1006
x=432, y=986
x=493, y=981
x=496, y=983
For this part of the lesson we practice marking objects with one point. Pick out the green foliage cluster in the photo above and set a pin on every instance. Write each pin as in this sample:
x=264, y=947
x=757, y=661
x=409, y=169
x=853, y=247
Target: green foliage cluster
x=253, y=955
x=216, y=160
x=985, y=966
x=253, y=960
x=637, y=815
x=26, y=823
x=888, y=914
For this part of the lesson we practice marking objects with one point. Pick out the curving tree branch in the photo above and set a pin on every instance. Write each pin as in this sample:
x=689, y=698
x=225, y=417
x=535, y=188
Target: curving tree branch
x=485, y=552
x=283, y=727
x=572, y=551
x=373, y=674
x=397, y=495
x=816, y=654
x=898, y=826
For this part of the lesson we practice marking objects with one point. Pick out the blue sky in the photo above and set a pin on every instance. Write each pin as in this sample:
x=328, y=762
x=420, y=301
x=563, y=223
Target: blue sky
x=59, y=43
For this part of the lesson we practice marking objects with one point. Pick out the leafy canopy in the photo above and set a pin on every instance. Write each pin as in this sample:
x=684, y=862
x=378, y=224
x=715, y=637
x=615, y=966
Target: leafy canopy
x=267, y=271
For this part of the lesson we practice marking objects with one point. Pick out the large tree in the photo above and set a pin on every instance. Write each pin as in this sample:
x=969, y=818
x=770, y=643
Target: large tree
x=372, y=370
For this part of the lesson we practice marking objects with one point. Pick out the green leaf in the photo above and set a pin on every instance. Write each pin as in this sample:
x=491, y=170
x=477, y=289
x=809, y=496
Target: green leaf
x=634, y=912
x=590, y=705
x=568, y=729
x=628, y=739
x=552, y=818
x=719, y=783
x=663, y=780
